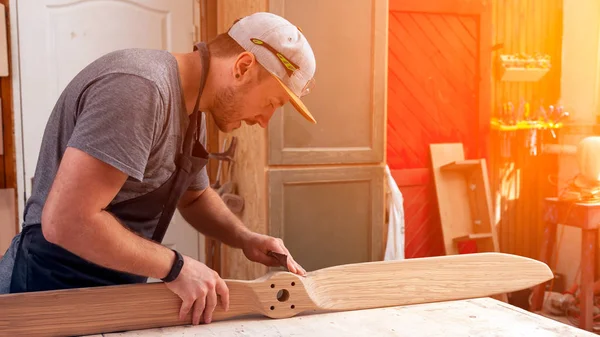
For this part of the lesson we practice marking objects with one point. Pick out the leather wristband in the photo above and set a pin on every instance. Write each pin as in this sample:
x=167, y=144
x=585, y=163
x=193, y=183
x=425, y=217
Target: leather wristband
x=175, y=269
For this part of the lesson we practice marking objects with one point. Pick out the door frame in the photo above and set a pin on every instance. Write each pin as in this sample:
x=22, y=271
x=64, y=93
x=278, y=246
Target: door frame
x=17, y=112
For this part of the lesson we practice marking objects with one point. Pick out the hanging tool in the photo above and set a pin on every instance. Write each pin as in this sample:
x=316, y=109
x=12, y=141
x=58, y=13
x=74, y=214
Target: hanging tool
x=226, y=155
x=226, y=190
x=217, y=184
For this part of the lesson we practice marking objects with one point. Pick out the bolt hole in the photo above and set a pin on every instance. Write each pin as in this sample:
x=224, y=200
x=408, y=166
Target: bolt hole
x=272, y=286
x=292, y=306
x=293, y=284
x=272, y=307
x=283, y=295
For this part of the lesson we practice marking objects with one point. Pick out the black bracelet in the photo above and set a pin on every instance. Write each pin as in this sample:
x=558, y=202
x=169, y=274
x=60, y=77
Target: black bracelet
x=175, y=269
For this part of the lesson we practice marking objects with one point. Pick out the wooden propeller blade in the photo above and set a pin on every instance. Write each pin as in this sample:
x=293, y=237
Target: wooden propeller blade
x=279, y=294
x=436, y=279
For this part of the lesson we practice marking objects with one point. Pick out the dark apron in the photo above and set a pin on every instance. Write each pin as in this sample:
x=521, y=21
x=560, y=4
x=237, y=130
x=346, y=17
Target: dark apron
x=41, y=265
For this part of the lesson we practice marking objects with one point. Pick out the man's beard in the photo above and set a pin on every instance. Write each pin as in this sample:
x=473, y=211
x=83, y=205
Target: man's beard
x=226, y=108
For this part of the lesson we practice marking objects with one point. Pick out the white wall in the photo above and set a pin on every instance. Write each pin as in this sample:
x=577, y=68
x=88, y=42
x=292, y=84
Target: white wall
x=580, y=64
x=580, y=88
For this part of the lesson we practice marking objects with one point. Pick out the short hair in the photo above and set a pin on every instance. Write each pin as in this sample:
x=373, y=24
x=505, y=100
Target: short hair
x=223, y=46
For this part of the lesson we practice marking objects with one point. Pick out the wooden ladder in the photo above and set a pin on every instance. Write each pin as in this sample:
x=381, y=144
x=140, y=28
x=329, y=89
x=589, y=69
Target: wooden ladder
x=464, y=200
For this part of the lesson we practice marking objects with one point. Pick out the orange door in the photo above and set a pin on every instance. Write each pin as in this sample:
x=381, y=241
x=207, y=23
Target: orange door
x=438, y=91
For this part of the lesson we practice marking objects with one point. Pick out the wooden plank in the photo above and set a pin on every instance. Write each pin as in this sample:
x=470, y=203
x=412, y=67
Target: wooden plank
x=474, y=237
x=473, y=317
x=464, y=198
x=463, y=7
x=276, y=295
x=468, y=164
x=452, y=195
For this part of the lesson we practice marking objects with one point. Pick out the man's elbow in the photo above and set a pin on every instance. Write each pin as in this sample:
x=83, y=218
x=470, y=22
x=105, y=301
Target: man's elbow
x=55, y=226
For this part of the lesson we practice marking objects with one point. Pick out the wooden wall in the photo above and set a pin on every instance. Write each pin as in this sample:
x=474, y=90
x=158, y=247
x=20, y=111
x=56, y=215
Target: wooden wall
x=250, y=159
x=518, y=178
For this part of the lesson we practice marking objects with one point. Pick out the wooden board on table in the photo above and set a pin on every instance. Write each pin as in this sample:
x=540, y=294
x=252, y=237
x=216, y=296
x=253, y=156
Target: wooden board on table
x=475, y=317
x=464, y=199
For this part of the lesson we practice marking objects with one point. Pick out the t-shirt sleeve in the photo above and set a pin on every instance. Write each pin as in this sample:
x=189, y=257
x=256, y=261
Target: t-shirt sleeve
x=201, y=180
x=116, y=122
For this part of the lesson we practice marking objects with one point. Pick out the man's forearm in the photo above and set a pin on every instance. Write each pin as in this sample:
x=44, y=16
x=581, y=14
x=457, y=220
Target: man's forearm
x=210, y=216
x=104, y=241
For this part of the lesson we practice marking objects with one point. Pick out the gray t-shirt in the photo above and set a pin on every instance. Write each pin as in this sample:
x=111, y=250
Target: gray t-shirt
x=125, y=109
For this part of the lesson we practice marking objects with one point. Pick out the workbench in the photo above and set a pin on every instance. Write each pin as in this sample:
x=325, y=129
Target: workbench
x=474, y=318
x=585, y=216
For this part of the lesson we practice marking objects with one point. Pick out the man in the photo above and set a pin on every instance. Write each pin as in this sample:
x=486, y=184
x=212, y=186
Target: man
x=121, y=150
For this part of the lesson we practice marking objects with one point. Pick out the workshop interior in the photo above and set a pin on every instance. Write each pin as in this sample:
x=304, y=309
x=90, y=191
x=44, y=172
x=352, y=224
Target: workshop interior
x=445, y=129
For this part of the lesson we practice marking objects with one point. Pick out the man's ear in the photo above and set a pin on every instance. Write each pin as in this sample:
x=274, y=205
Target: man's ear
x=243, y=63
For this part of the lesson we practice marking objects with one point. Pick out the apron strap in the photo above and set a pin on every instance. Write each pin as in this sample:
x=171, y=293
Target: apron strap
x=192, y=132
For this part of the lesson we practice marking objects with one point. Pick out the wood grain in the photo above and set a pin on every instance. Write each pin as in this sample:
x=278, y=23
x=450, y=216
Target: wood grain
x=276, y=295
x=249, y=168
x=422, y=280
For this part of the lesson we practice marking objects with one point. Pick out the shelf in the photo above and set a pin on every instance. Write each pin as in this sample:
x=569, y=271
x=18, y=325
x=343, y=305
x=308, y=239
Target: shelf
x=523, y=68
x=478, y=236
x=461, y=165
x=525, y=125
x=522, y=74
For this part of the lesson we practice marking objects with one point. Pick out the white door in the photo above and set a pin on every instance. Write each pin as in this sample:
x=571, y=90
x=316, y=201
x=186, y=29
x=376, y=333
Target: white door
x=57, y=38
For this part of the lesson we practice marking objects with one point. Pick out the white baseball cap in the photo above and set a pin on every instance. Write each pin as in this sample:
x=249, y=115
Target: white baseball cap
x=281, y=48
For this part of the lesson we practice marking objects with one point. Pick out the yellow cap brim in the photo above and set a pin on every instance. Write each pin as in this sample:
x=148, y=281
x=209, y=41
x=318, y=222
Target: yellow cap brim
x=297, y=102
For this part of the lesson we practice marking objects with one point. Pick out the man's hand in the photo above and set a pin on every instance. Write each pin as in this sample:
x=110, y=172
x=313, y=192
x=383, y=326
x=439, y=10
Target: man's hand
x=198, y=286
x=206, y=212
x=256, y=246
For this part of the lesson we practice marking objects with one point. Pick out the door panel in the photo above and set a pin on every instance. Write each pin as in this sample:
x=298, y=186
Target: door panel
x=59, y=38
x=348, y=99
x=328, y=216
